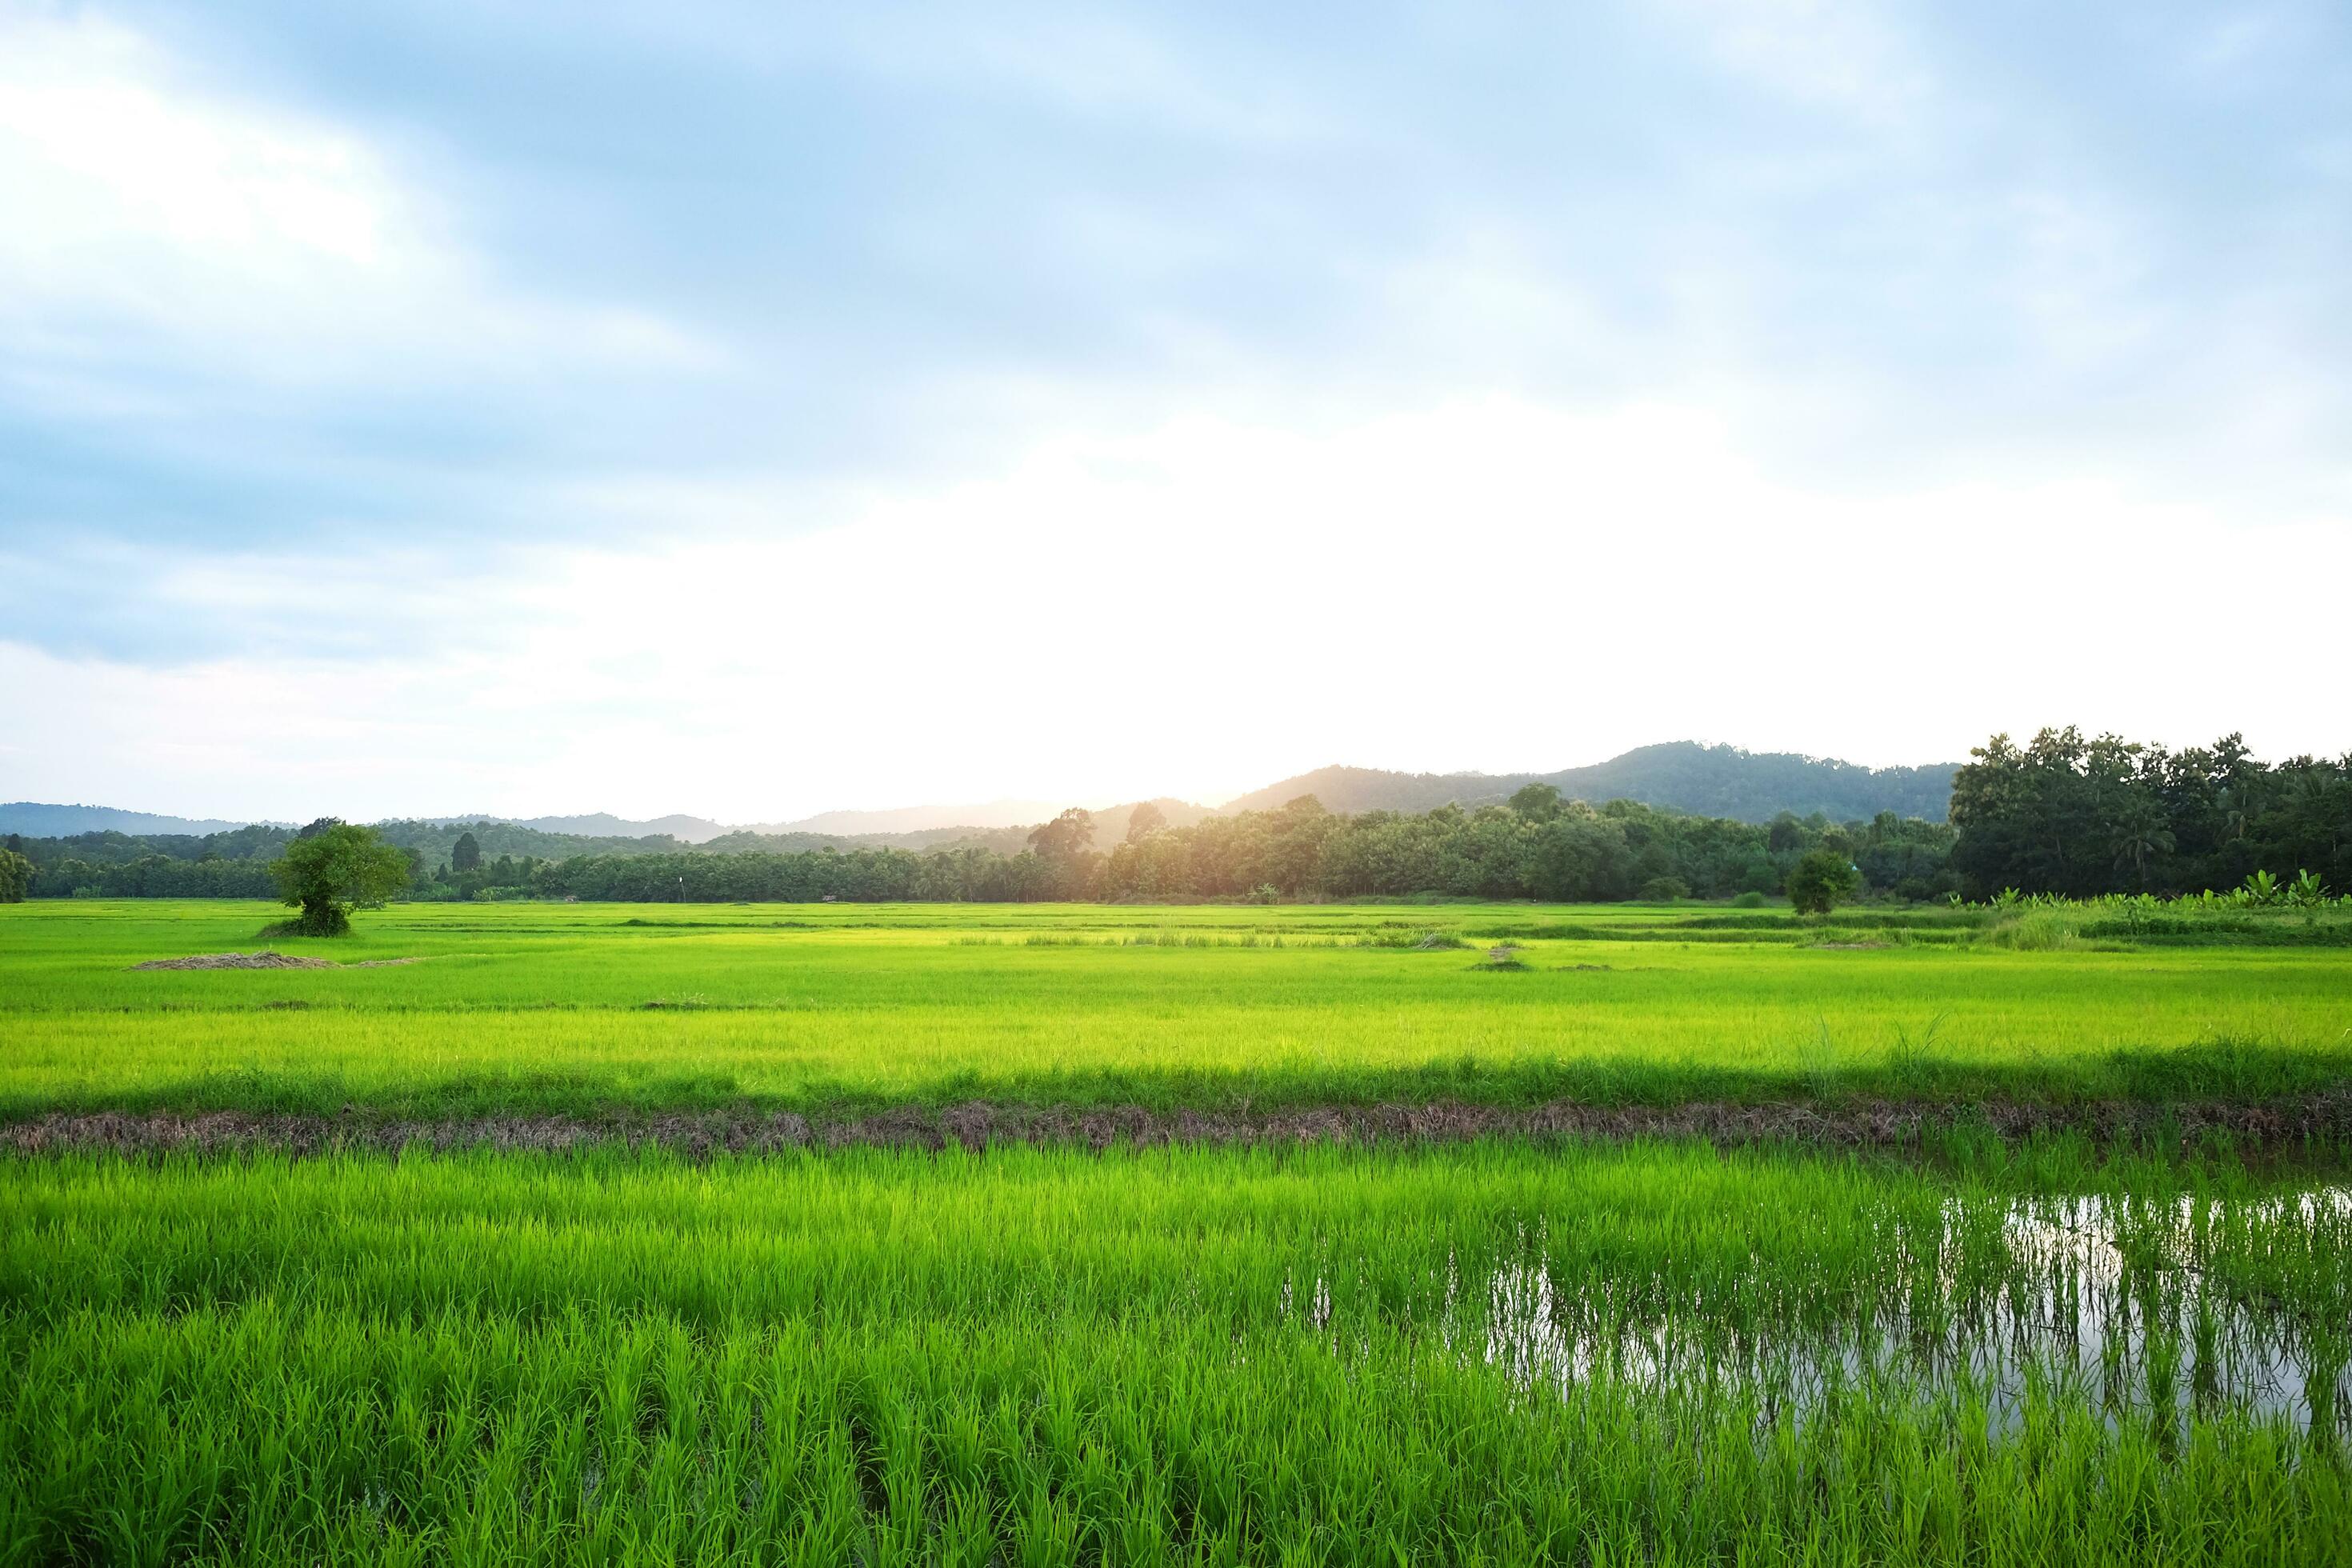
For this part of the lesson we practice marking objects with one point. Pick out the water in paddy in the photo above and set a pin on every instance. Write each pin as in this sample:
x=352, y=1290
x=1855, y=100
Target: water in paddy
x=2188, y=1307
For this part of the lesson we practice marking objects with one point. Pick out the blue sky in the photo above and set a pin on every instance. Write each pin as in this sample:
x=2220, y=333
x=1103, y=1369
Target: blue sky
x=752, y=411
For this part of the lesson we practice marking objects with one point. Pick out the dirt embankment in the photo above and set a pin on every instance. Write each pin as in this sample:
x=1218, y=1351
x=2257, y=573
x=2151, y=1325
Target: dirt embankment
x=1865, y=1125
x=265, y=959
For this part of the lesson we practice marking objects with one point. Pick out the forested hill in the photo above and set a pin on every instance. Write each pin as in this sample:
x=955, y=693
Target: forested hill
x=1681, y=776
x=42, y=819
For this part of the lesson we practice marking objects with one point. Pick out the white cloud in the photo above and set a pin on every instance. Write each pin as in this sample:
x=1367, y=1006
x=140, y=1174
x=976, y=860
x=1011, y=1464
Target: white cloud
x=1838, y=55
x=147, y=216
x=1206, y=606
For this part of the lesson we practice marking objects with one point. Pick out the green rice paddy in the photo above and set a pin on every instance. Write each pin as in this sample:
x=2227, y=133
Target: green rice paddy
x=1495, y=1351
x=845, y=1007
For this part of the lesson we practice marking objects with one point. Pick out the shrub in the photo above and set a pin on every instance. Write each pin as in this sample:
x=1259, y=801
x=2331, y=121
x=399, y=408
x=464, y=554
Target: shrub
x=1751, y=900
x=2035, y=931
x=1665, y=889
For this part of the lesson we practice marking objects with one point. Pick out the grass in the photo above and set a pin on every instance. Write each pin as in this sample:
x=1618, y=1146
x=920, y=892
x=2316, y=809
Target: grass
x=841, y=1008
x=1483, y=1354
x=1497, y=1352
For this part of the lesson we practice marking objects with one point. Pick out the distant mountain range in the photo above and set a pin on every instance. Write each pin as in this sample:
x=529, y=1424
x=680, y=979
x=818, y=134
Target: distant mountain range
x=35, y=819
x=604, y=825
x=1708, y=780
x=1683, y=775
x=922, y=818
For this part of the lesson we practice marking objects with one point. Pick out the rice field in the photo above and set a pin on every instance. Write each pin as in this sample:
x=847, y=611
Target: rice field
x=1491, y=1355
x=1992, y=1350
x=833, y=1009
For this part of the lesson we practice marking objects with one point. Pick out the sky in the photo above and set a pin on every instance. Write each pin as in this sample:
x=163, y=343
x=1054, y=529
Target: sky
x=750, y=410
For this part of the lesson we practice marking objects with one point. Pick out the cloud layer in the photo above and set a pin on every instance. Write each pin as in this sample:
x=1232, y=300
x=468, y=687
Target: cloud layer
x=404, y=407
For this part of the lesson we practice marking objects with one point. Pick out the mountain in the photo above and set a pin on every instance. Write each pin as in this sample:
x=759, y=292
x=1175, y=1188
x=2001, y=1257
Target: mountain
x=604, y=825
x=36, y=820
x=1010, y=838
x=1756, y=787
x=918, y=818
x=1683, y=775
x=1350, y=790
x=1709, y=781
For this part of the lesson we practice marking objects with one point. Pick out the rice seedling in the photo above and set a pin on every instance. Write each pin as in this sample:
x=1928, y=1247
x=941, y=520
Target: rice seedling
x=1488, y=1353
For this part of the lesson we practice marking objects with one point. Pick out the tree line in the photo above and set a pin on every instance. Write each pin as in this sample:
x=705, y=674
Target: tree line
x=2060, y=814
x=1537, y=846
x=2082, y=818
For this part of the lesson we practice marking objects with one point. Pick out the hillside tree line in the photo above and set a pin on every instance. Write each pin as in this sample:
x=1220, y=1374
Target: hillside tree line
x=2061, y=814
x=2080, y=817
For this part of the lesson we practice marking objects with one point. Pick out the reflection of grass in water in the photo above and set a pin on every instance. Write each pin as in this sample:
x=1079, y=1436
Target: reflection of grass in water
x=1665, y=1350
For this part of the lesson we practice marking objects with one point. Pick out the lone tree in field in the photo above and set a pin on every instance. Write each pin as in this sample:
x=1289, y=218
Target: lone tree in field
x=1819, y=880
x=466, y=855
x=333, y=869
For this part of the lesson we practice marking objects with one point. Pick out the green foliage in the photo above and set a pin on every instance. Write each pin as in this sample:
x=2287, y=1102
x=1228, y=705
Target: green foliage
x=1821, y=881
x=1542, y=847
x=1749, y=900
x=1065, y=838
x=2085, y=817
x=1536, y=802
x=332, y=869
x=466, y=855
x=2035, y=930
x=15, y=876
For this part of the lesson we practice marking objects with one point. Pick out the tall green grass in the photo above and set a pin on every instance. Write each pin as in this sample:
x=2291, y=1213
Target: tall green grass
x=1179, y=1356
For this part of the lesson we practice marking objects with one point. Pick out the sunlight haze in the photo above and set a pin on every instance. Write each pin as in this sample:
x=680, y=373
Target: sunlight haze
x=752, y=416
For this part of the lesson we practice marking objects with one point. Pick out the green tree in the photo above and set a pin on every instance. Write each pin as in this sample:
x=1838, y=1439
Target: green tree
x=330, y=872
x=1146, y=820
x=467, y=856
x=1065, y=838
x=1820, y=879
x=2140, y=834
x=15, y=876
x=1538, y=802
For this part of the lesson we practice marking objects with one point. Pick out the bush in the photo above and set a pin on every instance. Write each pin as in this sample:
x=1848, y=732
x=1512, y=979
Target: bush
x=1665, y=889
x=1821, y=881
x=2035, y=931
x=1751, y=900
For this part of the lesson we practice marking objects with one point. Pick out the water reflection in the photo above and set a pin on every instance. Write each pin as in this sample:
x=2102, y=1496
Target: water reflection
x=2143, y=1310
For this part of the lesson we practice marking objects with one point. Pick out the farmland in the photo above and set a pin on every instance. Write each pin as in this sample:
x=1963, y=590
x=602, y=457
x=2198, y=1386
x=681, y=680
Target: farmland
x=841, y=1008
x=2065, y=1344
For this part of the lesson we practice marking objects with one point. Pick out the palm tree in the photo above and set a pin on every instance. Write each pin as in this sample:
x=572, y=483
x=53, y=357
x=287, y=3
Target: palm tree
x=2141, y=835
